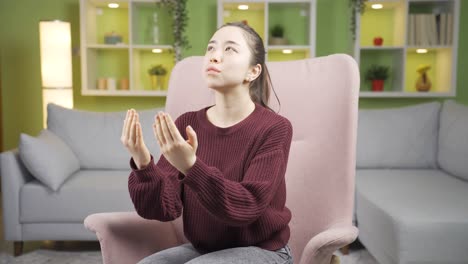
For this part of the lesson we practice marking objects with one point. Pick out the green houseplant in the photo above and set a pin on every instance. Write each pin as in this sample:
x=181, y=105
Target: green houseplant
x=356, y=7
x=180, y=20
x=157, y=73
x=277, y=35
x=377, y=74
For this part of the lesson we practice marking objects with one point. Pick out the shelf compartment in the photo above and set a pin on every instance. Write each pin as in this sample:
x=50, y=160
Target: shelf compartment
x=143, y=17
x=143, y=59
x=295, y=20
x=389, y=23
x=276, y=53
x=102, y=20
x=391, y=57
x=104, y=64
x=253, y=16
x=430, y=23
x=440, y=74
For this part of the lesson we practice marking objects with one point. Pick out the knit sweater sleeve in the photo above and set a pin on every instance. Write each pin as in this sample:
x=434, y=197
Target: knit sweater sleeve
x=241, y=203
x=155, y=190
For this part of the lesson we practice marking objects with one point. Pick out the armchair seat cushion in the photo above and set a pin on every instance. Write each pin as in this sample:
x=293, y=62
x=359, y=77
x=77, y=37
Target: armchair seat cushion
x=84, y=193
x=431, y=226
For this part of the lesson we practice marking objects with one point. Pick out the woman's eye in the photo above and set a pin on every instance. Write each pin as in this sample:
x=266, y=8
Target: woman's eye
x=209, y=48
x=229, y=48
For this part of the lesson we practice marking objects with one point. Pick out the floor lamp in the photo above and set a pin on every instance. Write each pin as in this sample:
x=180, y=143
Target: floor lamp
x=56, y=64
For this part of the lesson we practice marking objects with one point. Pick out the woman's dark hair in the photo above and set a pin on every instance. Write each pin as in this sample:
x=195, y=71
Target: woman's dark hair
x=260, y=88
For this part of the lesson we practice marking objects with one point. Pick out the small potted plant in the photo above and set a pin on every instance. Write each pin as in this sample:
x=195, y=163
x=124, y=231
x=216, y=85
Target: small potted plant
x=157, y=74
x=277, y=35
x=377, y=74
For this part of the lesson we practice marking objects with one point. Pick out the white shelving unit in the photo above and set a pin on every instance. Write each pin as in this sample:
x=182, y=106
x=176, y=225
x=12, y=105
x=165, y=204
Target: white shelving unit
x=126, y=62
x=298, y=17
x=396, y=23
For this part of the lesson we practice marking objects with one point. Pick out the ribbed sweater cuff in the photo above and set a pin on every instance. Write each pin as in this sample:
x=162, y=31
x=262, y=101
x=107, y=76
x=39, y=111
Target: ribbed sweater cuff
x=147, y=173
x=197, y=176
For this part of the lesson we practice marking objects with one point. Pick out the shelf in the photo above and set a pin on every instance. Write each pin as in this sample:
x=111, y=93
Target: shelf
x=107, y=46
x=151, y=24
x=408, y=26
x=297, y=19
x=404, y=95
x=294, y=18
x=440, y=73
x=253, y=16
x=124, y=93
x=389, y=23
x=105, y=64
x=143, y=59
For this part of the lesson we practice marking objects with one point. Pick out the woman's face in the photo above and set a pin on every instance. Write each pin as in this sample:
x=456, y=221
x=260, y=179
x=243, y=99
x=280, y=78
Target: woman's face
x=227, y=58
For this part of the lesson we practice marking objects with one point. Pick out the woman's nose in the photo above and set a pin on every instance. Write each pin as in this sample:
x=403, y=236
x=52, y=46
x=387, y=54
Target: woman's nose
x=214, y=60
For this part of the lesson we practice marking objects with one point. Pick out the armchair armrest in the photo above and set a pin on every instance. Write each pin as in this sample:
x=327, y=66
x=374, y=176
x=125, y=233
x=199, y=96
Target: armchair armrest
x=14, y=175
x=320, y=248
x=126, y=237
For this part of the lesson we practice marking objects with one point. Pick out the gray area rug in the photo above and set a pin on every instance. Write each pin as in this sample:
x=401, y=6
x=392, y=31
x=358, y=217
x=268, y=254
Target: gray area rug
x=43, y=256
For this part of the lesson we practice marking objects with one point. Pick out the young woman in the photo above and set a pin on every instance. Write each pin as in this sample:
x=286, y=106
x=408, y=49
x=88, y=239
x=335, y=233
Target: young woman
x=224, y=164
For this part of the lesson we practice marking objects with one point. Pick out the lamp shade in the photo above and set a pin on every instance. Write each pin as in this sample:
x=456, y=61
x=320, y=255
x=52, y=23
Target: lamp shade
x=55, y=46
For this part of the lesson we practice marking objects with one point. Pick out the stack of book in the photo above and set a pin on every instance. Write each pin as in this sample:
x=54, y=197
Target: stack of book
x=430, y=29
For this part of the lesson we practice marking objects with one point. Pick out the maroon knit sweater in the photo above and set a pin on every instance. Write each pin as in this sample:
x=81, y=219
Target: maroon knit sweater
x=235, y=193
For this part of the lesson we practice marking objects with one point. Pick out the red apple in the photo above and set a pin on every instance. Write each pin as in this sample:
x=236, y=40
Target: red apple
x=378, y=41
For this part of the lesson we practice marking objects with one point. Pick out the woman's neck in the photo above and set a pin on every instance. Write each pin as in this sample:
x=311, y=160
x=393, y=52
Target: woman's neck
x=229, y=112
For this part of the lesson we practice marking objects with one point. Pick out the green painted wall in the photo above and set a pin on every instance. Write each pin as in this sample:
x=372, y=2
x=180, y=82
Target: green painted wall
x=20, y=62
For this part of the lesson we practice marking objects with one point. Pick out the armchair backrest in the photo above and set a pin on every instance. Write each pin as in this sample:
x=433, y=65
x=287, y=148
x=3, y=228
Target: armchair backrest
x=320, y=98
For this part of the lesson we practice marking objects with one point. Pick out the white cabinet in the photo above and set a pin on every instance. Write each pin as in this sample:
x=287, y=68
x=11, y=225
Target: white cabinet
x=413, y=34
x=120, y=44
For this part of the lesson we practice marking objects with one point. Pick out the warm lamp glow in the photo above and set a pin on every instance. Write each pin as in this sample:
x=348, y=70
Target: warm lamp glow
x=55, y=41
x=56, y=64
x=421, y=51
x=157, y=50
x=377, y=6
x=243, y=7
x=113, y=5
x=287, y=51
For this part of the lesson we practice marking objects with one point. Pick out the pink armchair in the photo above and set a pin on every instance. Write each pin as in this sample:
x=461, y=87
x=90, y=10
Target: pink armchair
x=320, y=98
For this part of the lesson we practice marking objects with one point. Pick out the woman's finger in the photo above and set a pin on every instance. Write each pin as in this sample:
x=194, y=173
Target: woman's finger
x=129, y=123
x=173, y=128
x=156, y=134
x=159, y=131
x=132, y=129
x=166, y=134
x=124, y=128
x=139, y=135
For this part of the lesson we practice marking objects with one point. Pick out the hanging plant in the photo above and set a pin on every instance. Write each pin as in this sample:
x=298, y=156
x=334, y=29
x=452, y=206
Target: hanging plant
x=356, y=6
x=179, y=14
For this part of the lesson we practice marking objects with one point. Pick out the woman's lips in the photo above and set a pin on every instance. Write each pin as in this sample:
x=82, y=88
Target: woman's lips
x=212, y=70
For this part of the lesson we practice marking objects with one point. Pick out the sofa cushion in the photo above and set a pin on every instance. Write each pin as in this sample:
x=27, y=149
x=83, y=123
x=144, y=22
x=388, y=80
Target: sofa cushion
x=399, y=137
x=48, y=158
x=453, y=139
x=95, y=136
x=413, y=216
x=84, y=193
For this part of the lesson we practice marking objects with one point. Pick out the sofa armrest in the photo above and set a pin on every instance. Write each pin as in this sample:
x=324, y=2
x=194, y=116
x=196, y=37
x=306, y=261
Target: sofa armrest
x=320, y=248
x=14, y=175
x=125, y=237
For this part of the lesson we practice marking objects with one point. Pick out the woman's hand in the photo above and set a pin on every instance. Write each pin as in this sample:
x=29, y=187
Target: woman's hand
x=132, y=139
x=179, y=152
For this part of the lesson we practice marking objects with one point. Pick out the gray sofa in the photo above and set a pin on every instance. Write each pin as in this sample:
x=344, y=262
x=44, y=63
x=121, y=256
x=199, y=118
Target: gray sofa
x=411, y=202
x=97, y=183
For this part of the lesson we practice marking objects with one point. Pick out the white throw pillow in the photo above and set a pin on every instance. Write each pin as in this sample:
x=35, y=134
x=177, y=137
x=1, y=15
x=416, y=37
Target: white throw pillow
x=48, y=158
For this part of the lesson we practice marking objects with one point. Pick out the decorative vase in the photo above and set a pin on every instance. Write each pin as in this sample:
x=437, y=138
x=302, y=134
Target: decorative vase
x=157, y=82
x=377, y=85
x=423, y=84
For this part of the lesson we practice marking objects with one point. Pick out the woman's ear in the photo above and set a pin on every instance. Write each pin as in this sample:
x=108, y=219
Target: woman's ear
x=254, y=72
